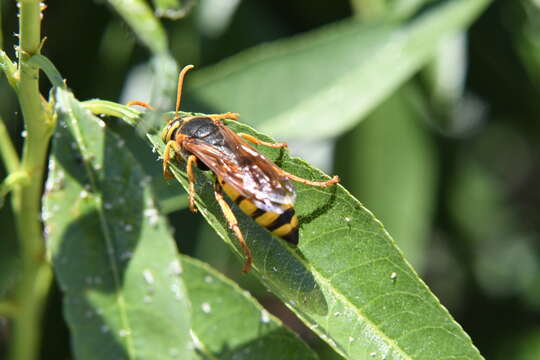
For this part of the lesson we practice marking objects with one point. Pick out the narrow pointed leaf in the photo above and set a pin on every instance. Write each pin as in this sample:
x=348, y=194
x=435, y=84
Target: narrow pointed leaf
x=394, y=170
x=229, y=324
x=403, y=9
x=166, y=193
x=346, y=280
x=49, y=69
x=327, y=80
x=164, y=84
x=139, y=16
x=169, y=198
x=114, y=260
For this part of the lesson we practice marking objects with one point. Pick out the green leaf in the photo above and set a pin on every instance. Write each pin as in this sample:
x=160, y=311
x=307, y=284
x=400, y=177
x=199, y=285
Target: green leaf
x=328, y=79
x=142, y=21
x=403, y=9
x=49, y=69
x=148, y=28
x=522, y=24
x=10, y=69
x=111, y=250
x=394, y=170
x=164, y=84
x=229, y=324
x=167, y=193
x=128, y=114
x=445, y=75
x=369, y=10
x=346, y=280
x=169, y=197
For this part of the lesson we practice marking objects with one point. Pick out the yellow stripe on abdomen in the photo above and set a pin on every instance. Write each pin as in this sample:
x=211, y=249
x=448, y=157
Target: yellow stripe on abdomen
x=233, y=194
x=284, y=225
x=266, y=218
x=248, y=207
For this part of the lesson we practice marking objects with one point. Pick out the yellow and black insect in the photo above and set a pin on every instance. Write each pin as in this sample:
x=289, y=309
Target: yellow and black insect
x=261, y=189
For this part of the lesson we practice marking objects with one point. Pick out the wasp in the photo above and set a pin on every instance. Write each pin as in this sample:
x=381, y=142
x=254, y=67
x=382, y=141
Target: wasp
x=256, y=185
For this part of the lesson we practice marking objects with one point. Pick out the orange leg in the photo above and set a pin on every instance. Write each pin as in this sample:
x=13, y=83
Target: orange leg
x=326, y=183
x=191, y=177
x=140, y=103
x=233, y=225
x=229, y=115
x=254, y=140
x=167, y=157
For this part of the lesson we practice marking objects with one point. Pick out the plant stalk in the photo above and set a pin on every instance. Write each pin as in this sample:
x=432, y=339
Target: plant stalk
x=36, y=276
x=7, y=150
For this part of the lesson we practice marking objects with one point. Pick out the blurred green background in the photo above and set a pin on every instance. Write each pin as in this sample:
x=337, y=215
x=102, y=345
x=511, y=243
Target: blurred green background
x=448, y=161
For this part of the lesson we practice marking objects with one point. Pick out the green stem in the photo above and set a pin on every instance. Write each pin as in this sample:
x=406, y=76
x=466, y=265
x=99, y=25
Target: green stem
x=7, y=150
x=36, y=274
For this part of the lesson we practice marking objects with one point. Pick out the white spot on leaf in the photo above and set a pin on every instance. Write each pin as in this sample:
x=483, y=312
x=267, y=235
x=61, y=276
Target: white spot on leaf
x=265, y=317
x=148, y=277
x=176, y=290
x=152, y=215
x=175, y=267
x=206, y=308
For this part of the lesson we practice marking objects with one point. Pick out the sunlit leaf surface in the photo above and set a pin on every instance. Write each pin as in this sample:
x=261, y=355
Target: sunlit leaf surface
x=113, y=258
x=229, y=324
x=394, y=173
x=346, y=280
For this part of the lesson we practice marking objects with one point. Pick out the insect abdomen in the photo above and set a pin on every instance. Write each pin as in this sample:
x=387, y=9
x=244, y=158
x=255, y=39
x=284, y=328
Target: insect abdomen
x=284, y=225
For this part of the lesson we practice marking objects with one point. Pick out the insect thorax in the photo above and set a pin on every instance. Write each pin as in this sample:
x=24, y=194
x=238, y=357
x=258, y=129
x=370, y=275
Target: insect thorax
x=202, y=128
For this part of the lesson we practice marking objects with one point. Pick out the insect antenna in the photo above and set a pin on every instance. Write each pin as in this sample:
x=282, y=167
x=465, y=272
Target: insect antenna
x=180, y=84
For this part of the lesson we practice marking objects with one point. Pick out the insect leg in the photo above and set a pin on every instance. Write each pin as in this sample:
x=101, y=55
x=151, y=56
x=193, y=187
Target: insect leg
x=191, y=177
x=254, y=140
x=140, y=103
x=167, y=156
x=229, y=115
x=233, y=225
x=326, y=183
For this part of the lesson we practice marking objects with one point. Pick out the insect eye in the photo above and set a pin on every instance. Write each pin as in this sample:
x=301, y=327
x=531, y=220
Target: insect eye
x=164, y=133
x=169, y=132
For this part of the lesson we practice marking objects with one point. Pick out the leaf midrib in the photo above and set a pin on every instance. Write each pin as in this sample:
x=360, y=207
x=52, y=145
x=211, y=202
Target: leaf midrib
x=122, y=304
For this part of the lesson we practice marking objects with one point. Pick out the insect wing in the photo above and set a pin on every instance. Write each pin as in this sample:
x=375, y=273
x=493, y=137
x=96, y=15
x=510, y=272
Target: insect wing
x=244, y=169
